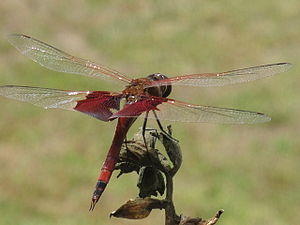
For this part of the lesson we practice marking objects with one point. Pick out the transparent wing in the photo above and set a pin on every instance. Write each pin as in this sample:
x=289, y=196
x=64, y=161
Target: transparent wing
x=172, y=110
x=179, y=111
x=225, y=78
x=44, y=97
x=98, y=104
x=57, y=60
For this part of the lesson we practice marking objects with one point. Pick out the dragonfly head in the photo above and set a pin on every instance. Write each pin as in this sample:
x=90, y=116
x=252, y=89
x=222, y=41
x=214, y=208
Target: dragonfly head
x=160, y=91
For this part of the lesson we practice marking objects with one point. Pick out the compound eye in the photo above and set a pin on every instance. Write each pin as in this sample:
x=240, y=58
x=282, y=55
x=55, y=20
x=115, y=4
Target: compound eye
x=162, y=77
x=167, y=91
x=163, y=90
x=157, y=76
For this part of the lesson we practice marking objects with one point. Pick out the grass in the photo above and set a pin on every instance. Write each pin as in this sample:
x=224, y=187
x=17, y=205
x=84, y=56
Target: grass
x=49, y=160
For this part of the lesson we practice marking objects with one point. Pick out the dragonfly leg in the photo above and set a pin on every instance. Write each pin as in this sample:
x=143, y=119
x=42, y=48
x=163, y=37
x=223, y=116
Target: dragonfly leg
x=169, y=133
x=159, y=123
x=144, y=129
x=125, y=142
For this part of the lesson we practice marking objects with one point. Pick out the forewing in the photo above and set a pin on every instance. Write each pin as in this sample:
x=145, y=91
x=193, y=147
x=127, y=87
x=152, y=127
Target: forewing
x=57, y=60
x=97, y=104
x=225, y=78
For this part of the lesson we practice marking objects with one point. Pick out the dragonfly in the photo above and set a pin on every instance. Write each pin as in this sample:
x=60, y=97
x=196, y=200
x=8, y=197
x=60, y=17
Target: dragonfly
x=147, y=95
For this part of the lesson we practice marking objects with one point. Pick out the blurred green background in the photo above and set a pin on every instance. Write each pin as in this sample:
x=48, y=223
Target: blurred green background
x=49, y=160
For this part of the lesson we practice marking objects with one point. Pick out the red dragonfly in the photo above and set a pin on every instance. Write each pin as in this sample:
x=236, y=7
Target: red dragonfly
x=142, y=95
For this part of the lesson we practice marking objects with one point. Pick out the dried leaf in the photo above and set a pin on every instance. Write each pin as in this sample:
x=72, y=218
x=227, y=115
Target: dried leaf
x=126, y=167
x=150, y=182
x=198, y=221
x=138, y=208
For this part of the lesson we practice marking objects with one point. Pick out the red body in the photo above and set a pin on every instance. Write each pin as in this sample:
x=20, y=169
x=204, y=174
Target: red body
x=113, y=154
x=112, y=157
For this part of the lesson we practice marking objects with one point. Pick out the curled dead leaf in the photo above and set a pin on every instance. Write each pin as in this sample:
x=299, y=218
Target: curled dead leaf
x=138, y=208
